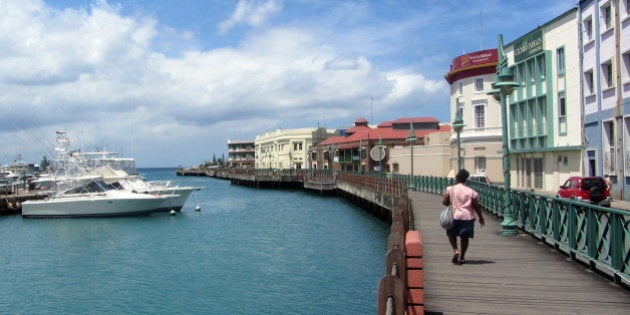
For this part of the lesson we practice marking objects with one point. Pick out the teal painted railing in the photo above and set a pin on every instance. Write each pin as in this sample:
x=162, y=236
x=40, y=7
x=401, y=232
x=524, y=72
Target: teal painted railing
x=599, y=235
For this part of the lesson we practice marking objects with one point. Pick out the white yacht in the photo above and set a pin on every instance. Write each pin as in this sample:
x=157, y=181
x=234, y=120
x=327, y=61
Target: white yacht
x=78, y=194
x=93, y=199
x=134, y=183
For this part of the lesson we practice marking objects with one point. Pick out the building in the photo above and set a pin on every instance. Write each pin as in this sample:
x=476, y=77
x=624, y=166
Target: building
x=604, y=29
x=287, y=149
x=470, y=78
x=241, y=154
x=544, y=111
x=386, y=148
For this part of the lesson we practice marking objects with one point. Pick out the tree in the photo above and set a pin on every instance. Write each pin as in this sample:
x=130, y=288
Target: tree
x=43, y=165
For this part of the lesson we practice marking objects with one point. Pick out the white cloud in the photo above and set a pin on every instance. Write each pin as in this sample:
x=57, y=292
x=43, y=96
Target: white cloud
x=95, y=73
x=253, y=13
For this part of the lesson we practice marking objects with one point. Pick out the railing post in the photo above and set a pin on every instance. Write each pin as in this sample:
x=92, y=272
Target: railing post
x=617, y=247
x=591, y=236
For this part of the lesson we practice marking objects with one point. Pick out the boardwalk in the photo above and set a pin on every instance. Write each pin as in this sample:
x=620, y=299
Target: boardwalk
x=506, y=275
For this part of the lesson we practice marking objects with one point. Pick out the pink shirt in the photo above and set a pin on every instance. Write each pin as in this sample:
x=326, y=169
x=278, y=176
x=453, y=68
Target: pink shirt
x=461, y=197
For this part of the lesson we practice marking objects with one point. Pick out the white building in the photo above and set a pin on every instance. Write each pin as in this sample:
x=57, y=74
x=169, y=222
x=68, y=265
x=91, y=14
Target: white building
x=287, y=149
x=470, y=78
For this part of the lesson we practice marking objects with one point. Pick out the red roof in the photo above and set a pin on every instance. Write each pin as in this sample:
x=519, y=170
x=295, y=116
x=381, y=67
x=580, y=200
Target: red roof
x=385, y=131
x=415, y=120
x=360, y=120
x=380, y=133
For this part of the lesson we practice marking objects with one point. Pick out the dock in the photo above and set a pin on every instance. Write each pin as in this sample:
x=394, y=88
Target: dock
x=506, y=274
x=12, y=203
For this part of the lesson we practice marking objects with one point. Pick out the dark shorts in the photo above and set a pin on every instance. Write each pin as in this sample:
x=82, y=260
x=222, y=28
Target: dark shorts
x=462, y=228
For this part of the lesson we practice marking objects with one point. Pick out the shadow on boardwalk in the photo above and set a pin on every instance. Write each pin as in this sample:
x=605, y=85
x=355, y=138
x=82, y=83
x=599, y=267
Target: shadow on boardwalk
x=506, y=275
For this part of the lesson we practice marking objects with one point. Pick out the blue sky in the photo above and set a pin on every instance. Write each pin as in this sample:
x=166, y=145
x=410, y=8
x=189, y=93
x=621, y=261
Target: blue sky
x=168, y=82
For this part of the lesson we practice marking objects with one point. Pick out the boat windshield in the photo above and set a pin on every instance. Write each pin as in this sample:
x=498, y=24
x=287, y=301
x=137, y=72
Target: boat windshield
x=91, y=187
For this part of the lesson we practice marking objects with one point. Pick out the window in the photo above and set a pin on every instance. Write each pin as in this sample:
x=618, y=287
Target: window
x=480, y=116
x=608, y=144
x=627, y=3
x=588, y=82
x=540, y=67
x=625, y=73
x=606, y=17
x=588, y=28
x=562, y=114
x=607, y=74
x=480, y=164
x=538, y=173
x=560, y=59
x=479, y=85
x=460, y=88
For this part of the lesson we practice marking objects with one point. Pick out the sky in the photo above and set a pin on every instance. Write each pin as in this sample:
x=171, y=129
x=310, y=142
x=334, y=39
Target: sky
x=168, y=82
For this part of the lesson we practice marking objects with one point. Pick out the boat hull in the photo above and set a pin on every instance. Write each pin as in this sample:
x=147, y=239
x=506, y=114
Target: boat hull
x=92, y=206
x=178, y=199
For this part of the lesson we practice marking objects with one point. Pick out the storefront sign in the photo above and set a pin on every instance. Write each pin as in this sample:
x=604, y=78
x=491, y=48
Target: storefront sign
x=528, y=45
x=474, y=59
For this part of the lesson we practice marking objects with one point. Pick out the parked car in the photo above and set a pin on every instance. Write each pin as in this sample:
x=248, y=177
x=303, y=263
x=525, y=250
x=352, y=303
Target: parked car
x=591, y=189
x=480, y=178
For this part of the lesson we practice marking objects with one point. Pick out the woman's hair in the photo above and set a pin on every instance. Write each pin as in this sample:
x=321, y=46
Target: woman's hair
x=462, y=176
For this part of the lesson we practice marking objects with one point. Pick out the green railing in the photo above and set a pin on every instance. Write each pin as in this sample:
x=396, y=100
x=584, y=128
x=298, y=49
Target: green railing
x=598, y=235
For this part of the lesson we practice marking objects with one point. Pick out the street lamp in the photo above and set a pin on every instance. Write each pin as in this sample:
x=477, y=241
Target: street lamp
x=411, y=138
x=458, y=125
x=502, y=87
x=361, y=157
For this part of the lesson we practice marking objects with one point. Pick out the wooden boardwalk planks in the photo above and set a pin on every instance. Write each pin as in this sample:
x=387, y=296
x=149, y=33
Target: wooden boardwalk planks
x=506, y=275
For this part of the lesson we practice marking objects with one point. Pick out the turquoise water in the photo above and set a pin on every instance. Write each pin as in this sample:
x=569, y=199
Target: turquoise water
x=247, y=251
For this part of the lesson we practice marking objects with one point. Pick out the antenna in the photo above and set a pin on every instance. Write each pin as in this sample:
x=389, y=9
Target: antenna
x=480, y=31
x=371, y=112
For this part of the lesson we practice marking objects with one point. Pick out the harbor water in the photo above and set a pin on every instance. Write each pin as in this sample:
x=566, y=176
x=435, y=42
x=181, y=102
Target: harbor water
x=247, y=251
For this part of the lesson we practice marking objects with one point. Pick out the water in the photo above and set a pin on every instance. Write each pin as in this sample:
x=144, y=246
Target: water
x=247, y=251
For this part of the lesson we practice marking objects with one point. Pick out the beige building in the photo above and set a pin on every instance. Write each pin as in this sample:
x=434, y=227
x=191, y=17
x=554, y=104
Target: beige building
x=430, y=159
x=241, y=154
x=287, y=149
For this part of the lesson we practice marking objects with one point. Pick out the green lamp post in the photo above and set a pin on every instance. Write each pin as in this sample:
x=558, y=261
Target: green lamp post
x=411, y=138
x=502, y=87
x=458, y=125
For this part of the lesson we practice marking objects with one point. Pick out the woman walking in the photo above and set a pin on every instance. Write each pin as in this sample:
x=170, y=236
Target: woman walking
x=463, y=200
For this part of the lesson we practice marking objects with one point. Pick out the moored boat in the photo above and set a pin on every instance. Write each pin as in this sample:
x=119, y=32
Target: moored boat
x=94, y=199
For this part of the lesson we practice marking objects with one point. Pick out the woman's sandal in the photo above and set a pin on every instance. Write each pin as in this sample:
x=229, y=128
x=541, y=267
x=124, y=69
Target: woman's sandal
x=462, y=261
x=455, y=258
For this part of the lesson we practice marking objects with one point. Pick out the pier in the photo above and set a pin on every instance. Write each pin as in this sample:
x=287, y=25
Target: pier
x=12, y=203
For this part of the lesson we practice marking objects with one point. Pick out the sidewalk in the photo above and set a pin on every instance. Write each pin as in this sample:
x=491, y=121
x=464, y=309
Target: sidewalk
x=506, y=274
x=617, y=204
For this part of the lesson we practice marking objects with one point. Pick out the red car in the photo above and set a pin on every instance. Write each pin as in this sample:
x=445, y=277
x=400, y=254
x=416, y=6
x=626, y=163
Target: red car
x=591, y=189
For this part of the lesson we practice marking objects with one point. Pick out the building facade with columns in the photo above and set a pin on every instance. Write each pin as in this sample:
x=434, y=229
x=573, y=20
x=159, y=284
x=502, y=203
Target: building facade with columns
x=544, y=110
x=287, y=148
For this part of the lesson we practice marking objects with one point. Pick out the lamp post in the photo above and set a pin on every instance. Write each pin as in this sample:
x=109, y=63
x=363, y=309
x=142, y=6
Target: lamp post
x=411, y=138
x=458, y=125
x=502, y=87
x=361, y=150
